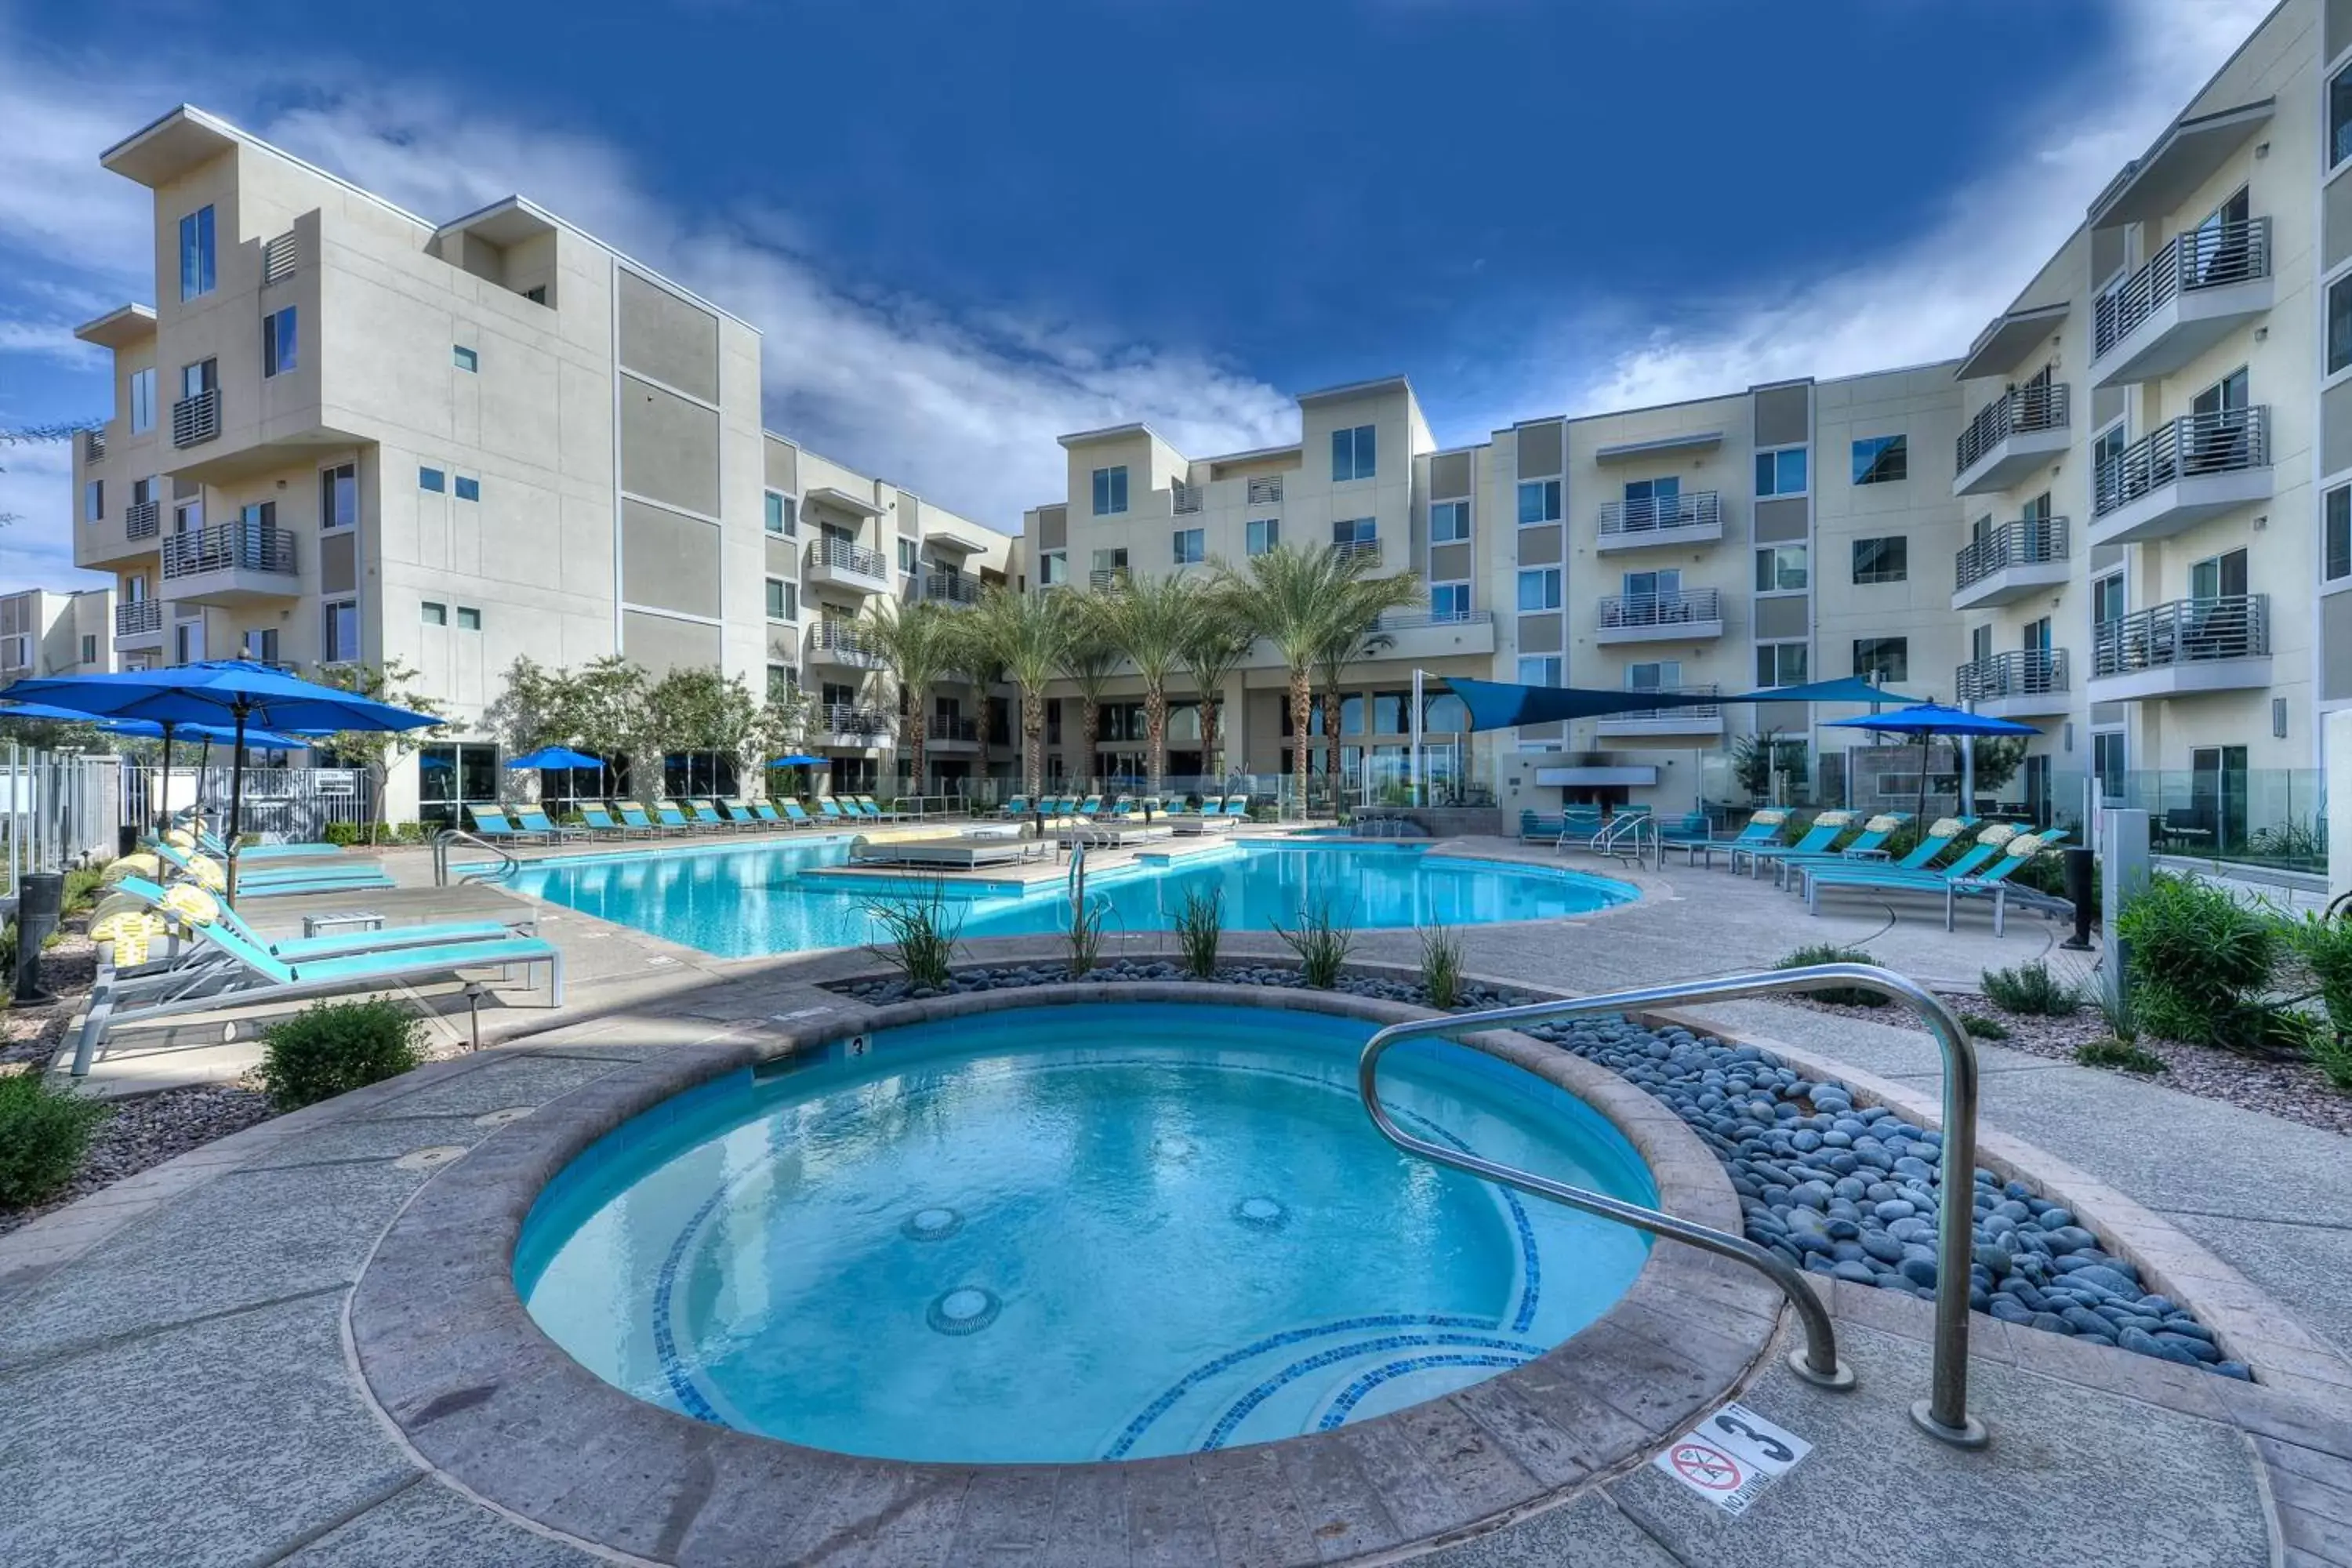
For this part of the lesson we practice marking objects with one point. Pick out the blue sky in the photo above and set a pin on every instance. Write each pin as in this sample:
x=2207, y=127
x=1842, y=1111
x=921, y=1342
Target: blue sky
x=966, y=228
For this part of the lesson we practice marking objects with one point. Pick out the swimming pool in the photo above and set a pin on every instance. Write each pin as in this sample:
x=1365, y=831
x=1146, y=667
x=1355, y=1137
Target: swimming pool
x=740, y=900
x=1075, y=1233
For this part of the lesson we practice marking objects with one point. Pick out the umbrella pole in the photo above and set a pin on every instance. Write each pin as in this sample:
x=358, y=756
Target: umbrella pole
x=164, y=801
x=235, y=800
x=1924, y=739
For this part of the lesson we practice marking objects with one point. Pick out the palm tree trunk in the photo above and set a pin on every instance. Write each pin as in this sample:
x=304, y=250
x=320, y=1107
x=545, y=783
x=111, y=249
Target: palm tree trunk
x=1155, y=735
x=1302, y=715
x=1089, y=736
x=1212, y=764
x=1331, y=742
x=1033, y=737
x=917, y=733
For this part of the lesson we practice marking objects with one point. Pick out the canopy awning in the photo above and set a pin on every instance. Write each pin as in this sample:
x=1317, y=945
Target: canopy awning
x=1500, y=705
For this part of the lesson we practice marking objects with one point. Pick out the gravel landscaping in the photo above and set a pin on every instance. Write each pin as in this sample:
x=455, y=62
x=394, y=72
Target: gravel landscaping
x=147, y=1131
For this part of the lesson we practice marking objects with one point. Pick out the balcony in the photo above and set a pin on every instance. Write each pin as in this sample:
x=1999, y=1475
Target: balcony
x=951, y=588
x=1661, y=617
x=841, y=645
x=1693, y=518
x=1688, y=719
x=2023, y=683
x=953, y=736
x=2179, y=474
x=138, y=625
x=1267, y=490
x=142, y=520
x=1106, y=579
x=838, y=564
x=231, y=563
x=196, y=420
x=93, y=446
x=2183, y=299
x=1366, y=550
x=1186, y=500
x=2181, y=649
x=2011, y=437
x=845, y=725
x=1426, y=636
x=2012, y=562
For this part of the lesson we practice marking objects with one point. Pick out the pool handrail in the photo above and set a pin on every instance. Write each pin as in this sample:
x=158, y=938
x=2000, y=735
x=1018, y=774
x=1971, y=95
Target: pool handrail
x=509, y=865
x=1943, y=1414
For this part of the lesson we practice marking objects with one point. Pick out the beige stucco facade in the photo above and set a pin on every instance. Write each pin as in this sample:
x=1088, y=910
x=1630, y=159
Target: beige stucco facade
x=45, y=633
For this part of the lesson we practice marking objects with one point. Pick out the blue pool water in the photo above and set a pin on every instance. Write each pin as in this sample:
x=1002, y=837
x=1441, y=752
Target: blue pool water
x=1075, y=1233
x=738, y=900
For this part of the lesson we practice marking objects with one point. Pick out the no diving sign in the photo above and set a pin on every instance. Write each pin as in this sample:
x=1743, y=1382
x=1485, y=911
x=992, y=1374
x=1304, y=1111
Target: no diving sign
x=1732, y=1455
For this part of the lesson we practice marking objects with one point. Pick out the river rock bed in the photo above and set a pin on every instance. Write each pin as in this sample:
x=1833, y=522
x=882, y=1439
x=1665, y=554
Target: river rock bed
x=881, y=992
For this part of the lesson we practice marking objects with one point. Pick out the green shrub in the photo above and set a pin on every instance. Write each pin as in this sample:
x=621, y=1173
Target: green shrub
x=921, y=935
x=2325, y=948
x=2046, y=873
x=1441, y=966
x=1086, y=935
x=7, y=958
x=337, y=1047
x=1984, y=1028
x=2117, y=1053
x=81, y=889
x=1321, y=943
x=2031, y=989
x=1200, y=924
x=1831, y=952
x=43, y=1133
x=345, y=834
x=2200, y=961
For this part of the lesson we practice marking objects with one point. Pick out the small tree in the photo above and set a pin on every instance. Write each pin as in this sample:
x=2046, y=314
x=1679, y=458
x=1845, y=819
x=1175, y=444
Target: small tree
x=1025, y=635
x=697, y=709
x=1148, y=622
x=1089, y=660
x=605, y=710
x=921, y=644
x=1998, y=758
x=1214, y=649
x=534, y=709
x=782, y=727
x=377, y=749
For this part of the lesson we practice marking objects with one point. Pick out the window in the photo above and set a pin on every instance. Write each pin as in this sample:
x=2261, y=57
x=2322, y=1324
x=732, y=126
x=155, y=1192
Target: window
x=261, y=646
x=1882, y=560
x=339, y=638
x=2107, y=599
x=279, y=350
x=187, y=641
x=93, y=500
x=1449, y=522
x=1780, y=472
x=199, y=378
x=2339, y=323
x=1540, y=670
x=197, y=254
x=88, y=649
x=1053, y=567
x=1110, y=490
x=909, y=556
x=1538, y=501
x=1780, y=568
x=1190, y=550
x=1881, y=460
x=1449, y=601
x=535, y=293
x=1779, y=664
x=469, y=488
x=339, y=496
x=142, y=491
x=187, y=517
x=431, y=479
x=1352, y=453
x=435, y=614
x=1262, y=535
x=783, y=683
x=1665, y=675
x=1885, y=660
x=143, y=400
x=469, y=620
x=464, y=358
x=782, y=515
x=2339, y=117
x=2108, y=763
x=2218, y=576
x=780, y=603
x=1539, y=588
x=2336, y=530
x=1355, y=531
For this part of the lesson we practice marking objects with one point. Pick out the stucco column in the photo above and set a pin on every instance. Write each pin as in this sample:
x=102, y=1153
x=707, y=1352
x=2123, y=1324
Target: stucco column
x=2335, y=742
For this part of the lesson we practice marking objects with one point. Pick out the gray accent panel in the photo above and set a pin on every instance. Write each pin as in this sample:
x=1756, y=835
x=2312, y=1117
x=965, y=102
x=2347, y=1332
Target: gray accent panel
x=660, y=645
x=783, y=559
x=2106, y=407
x=2105, y=558
x=2335, y=427
x=1053, y=526
x=1782, y=522
x=664, y=337
x=784, y=466
x=1784, y=617
x=1449, y=562
x=2339, y=28
x=2336, y=647
x=670, y=448
x=1449, y=476
x=2335, y=221
x=2107, y=254
x=2104, y=713
x=338, y=562
x=184, y=488
x=910, y=515
x=1540, y=449
x=1781, y=716
x=1539, y=634
x=1544, y=732
x=1539, y=546
x=1784, y=416
x=668, y=560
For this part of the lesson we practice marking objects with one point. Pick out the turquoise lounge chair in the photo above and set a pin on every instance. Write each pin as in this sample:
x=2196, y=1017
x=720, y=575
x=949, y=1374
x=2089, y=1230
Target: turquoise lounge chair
x=1764, y=828
x=602, y=823
x=534, y=822
x=330, y=878
x=796, y=815
x=1994, y=884
x=875, y=810
x=342, y=944
x=765, y=811
x=742, y=815
x=1823, y=832
x=674, y=820
x=705, y=816
x=1941, y=835
x=210, y=843
x=862, y=809
x=635, y=818
x=1888, y=879
x=491, y=822
x=830, y=808
x=1017, y=806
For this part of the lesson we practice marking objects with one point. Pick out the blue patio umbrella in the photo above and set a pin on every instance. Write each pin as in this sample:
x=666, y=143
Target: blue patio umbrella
x=1926, y=721
x=244, y=693
x=556, y=757
x=803, y=761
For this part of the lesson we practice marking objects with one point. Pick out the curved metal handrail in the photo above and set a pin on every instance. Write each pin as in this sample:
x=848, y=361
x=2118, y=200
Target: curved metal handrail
x=1944, y=1415
x=509, y=865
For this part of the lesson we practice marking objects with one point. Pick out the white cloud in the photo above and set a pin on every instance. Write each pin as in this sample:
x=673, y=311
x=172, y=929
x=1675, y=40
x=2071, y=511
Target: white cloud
x=37, y=548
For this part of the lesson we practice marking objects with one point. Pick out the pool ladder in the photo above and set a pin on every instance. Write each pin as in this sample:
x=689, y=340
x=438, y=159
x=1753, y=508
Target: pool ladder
x=507, y=865
x=1943, y=1414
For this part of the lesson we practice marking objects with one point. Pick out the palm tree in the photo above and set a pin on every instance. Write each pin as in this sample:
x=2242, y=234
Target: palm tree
x=1023, y=635
x=1355, y=635
x=920, y=644
x=1214, y=648
x=1301, y=603
x=1089, y=659
x=1149, y=620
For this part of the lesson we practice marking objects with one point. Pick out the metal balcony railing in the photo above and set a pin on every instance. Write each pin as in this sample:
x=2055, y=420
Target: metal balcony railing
x=2027, y=542
x=1265, y=491
x=1185, y=499
x=2040, y=406
x=2205, y=257
x=226, y=546
x=848, y=719
x=93, y=446
x=138, y=616
x=1103, y=579
x=195, y=420
x=279, y=258
x=1661, y=609
x=1709, y=711
x=1699, y=508
x=2183, y=632
x=1368, y=551
x=956, y=729
x=142, y=520
x=845, y=642
x=2224, y=441
x=843, y=556
x=953, y=587
x=2020, y=672
x=1408, y=620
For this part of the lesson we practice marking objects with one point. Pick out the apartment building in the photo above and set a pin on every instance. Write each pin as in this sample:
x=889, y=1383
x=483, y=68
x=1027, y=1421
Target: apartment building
x=348, y=433
x=43, y=632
